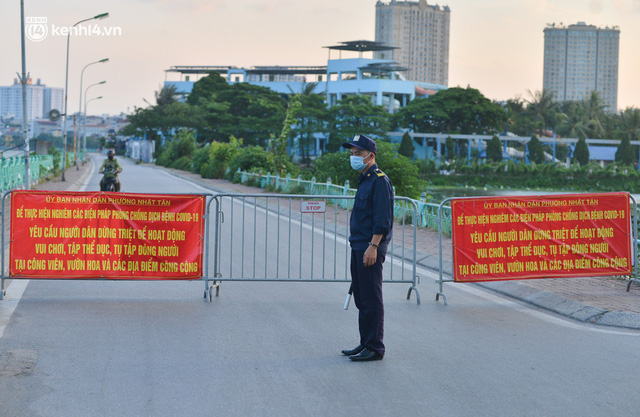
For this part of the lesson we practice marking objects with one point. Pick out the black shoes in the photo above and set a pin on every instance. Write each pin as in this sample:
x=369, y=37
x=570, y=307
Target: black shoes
x=353, y=351
x=366, y=355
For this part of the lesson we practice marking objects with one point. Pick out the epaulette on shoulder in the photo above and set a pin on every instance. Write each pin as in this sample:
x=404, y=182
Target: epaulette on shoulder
x=379, y=173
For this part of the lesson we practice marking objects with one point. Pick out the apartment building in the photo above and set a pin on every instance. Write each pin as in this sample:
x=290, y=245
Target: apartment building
x=579, y=59
x=420, y=31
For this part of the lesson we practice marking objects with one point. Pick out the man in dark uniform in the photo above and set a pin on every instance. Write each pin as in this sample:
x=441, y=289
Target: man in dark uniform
x=371, y=229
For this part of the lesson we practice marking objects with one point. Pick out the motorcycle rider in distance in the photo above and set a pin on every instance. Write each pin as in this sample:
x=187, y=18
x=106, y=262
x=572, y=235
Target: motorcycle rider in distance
x=111, y=168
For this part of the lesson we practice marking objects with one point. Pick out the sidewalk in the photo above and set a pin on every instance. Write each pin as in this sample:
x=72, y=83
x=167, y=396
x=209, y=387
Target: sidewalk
x=74, y=178
x=598, y=300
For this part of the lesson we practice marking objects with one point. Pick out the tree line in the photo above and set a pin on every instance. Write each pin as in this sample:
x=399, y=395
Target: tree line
x=226, y=120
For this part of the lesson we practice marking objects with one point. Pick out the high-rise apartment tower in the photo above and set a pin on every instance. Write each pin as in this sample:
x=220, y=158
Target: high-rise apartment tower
x=40, y=100
x=579, y=59
x=421, y=31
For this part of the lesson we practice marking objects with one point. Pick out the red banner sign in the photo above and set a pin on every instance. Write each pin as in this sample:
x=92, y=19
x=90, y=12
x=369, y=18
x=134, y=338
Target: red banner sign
x=106, y=235
x=553, y=236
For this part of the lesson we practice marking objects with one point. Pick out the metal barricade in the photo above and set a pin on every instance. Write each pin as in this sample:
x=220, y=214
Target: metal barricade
x=270, y=237
x=2, y=244
x=5, y=215
x=635, y=271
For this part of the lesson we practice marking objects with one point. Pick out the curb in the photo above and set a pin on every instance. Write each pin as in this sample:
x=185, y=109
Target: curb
x=544, y=299
x=564, y=306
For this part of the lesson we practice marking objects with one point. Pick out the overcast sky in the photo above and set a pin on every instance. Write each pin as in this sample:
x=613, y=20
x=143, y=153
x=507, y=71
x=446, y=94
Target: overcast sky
x=496, y=46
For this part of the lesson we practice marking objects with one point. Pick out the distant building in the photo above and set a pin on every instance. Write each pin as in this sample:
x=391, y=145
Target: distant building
x=421, y=32
x=579, y=59
x=380, y=79
x=98, y=126
x=40, y=100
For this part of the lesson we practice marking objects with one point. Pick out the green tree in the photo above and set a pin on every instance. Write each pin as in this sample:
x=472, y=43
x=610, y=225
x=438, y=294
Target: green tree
x=336, y=166
x=542, y=110
x=581, y=153
x=251, y=159
x=179, y=152
x=594, y=110
x=255, y=112
x=494, y=150
x=454, y=110
x=628, y=124
x=624, y=154
x=217, y=158
x=164, y=117
x=207, y=87
x=406, y=146
x=311, y=120
x=450, y=147
x=400, y=170
x=573, y=120
x=403, y=174
x=279, y=144
x=536, y=153
x=518, y=121
x=355, y=115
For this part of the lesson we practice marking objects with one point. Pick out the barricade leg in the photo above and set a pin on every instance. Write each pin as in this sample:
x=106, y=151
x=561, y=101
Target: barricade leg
x=2, y=211
x=441, y=280
x=414, y=288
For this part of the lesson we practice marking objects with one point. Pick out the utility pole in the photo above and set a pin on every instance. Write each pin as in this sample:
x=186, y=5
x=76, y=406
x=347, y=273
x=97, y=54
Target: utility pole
x=24, y=79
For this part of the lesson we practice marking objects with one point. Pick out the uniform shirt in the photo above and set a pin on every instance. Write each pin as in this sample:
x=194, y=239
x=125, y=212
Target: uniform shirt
x=372, y=210
x=111, y=167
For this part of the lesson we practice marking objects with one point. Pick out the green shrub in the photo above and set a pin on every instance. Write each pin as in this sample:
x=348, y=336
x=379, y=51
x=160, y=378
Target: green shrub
x=494, y=149
x=427, y=166
x=200, y=158
x=402, y=173
x=183, y=145
x=581, y=153
x=250, y=159
x=406, y=146
x=449, y=147
x=164, y=159
x=183, y=163
x=297, y=189
x=57, y=158
x=625, y=154
x=536, y=153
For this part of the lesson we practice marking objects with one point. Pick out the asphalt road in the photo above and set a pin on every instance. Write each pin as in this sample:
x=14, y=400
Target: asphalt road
x=102, y=348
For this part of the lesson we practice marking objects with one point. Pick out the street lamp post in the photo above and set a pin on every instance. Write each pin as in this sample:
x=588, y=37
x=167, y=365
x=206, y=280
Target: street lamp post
x=84, y=147
x=66, y=93
x=85, y=108
x=84, y=121
x=25, y=123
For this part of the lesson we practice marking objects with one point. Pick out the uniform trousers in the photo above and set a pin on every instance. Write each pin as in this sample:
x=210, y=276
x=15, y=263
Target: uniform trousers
x=366, y=283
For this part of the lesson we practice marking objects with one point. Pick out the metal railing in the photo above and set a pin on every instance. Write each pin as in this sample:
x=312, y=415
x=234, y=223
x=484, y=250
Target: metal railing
x=427, y=213
x=635, y=247
x=269, y=237
x=12, y=171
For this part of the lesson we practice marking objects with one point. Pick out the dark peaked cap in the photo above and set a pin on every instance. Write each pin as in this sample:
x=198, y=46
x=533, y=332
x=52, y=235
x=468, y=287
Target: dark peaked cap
x=362, y=142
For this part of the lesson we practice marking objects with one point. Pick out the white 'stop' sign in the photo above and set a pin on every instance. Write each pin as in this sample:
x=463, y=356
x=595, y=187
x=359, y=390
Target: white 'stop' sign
x=313, y=207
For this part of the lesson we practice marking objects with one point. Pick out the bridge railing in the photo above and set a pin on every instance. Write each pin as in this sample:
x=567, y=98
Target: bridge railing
x=12, y=171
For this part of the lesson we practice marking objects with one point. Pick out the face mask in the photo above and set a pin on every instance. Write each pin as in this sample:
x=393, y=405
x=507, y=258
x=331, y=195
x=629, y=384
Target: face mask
x=357, y=162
